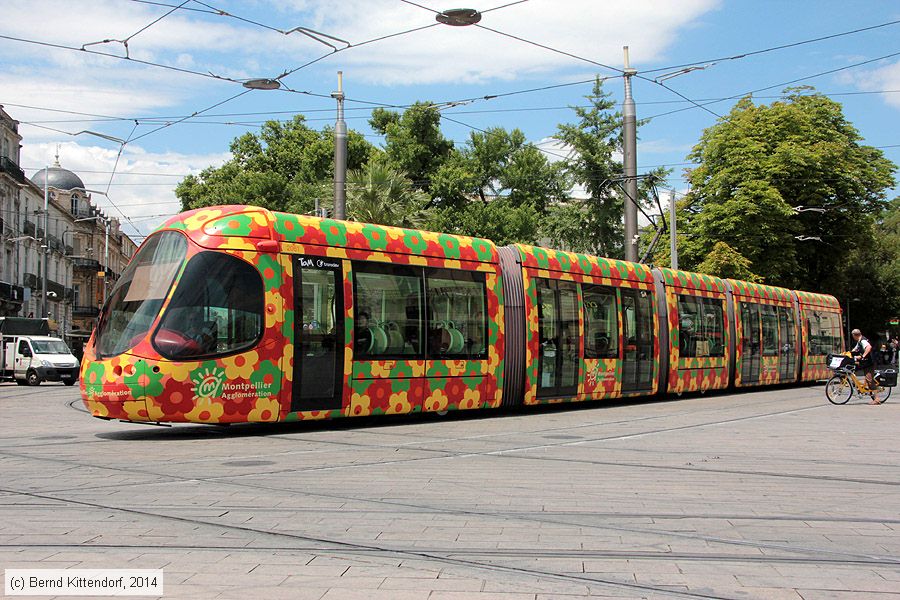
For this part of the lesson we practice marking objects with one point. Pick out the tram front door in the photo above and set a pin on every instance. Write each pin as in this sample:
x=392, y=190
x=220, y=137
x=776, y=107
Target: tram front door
x=318, y=334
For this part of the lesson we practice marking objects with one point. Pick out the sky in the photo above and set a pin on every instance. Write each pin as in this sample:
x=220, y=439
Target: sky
x=174, y=92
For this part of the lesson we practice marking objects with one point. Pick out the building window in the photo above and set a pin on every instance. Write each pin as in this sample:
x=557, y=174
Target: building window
x=601, y=322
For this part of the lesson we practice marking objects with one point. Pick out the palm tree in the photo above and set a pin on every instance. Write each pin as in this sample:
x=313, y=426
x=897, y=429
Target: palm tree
x=380, y=194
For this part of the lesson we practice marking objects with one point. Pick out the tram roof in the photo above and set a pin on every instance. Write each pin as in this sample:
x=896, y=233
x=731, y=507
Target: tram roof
x=585, y=264
x=760, y=291
x=818, y=300
x=207, y=226
x=694, y=281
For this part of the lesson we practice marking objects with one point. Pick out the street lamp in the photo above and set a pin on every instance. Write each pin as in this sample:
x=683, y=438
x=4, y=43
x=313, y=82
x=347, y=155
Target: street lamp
x=458, y=17
x=262, y=84
x=803, y=209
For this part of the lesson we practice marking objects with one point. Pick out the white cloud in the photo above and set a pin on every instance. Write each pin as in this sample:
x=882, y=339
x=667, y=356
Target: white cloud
x=35, y=75
x=595, y=30
x=662, y=146
x=142, y=187
x=882, y=78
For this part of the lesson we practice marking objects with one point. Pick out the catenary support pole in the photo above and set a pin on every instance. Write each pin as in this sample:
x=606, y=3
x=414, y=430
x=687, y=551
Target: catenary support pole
x=340, y=153
x=673, y=232
x=629, y=147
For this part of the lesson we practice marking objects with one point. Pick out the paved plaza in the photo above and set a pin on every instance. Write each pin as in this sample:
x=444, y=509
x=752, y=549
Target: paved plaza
x=772, y=494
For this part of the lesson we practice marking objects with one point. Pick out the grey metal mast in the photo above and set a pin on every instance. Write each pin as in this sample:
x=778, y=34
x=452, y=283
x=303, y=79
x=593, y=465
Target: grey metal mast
x=629, y=147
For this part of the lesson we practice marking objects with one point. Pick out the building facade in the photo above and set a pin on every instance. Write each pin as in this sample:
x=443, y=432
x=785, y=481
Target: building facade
x=50, y=230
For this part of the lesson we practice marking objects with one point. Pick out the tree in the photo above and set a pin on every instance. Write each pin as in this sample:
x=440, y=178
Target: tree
x=283, y=167
x=414, y=143
x=379, y=194
x=726, y=262
x=761, y=165
x=498, y=163
x=594, y=224
x=499, y=220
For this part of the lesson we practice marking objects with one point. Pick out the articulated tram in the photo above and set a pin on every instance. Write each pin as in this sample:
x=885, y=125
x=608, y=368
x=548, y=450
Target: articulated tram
x=239, y=314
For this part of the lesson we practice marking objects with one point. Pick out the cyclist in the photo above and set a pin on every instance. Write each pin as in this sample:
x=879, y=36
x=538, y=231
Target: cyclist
x=862, y=352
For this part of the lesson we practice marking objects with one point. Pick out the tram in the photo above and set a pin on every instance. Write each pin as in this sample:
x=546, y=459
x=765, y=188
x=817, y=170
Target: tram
x=238, y=314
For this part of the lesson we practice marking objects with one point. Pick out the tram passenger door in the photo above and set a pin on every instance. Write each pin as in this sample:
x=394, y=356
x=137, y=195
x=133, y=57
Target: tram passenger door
x=750, y=343
x=787, y=353
x=559, y=338
x=637, y=321
x=318, y=334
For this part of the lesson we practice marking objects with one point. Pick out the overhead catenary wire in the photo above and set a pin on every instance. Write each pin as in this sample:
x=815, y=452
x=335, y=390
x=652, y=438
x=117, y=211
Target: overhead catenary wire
x=782, y=84
x=97, y=118
x=124, y=41
x=770, y=48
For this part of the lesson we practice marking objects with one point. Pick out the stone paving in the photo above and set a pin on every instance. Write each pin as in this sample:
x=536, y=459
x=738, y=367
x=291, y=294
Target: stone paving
x=771, y=494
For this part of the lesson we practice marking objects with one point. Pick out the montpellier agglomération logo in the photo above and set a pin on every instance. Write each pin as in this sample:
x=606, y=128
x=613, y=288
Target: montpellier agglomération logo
x=208, y=383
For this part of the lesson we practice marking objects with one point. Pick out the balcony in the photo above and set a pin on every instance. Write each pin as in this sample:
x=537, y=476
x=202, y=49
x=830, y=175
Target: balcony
x=56, y=289
x=11, y=293
x=29, y=228
x=86, y=264
x=12, y=169
x=85, y=311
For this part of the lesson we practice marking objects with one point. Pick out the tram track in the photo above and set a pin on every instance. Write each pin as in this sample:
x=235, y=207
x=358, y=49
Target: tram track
x=407, y=506
x=577, y=553
x=569, y=519
x=446, y=454
x=522, y=514
x=342, y=547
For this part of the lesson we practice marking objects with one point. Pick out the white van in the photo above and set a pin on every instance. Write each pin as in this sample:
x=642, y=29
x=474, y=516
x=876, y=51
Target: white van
x=31, y=359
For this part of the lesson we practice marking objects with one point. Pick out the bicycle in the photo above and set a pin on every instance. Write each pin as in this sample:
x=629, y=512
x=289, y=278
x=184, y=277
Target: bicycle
x=844, y=384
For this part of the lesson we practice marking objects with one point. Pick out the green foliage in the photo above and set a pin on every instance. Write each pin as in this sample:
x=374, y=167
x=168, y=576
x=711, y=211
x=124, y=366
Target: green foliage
x=593, y=140
x=763, y=160
x=726, y=262
x=283, y=167
x=755, y=219
x=414, y=143
x=499, y=163
x=760, y=163
x=499, y=220
x=379, y=194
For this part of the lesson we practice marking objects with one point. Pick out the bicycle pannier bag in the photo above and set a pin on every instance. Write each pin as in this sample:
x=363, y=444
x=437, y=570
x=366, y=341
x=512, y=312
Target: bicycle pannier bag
x=888, y=378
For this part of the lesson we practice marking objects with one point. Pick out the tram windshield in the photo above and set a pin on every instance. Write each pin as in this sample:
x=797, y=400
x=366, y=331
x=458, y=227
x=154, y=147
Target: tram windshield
x=140, y=293
x=216, y=309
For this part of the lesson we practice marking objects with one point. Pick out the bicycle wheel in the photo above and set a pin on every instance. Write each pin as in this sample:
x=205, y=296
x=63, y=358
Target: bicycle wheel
x=839, y=389
x=882, y=394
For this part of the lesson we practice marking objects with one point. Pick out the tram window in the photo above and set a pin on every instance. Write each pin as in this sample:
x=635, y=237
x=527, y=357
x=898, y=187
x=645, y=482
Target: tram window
x=217, y=309
x=824, y=332
x=388, y=311
x=137, y=298
x=786, y=324
x=769, y=318
x=457, y=323
x=702, y=326
x=601, y=323
x=317, y=302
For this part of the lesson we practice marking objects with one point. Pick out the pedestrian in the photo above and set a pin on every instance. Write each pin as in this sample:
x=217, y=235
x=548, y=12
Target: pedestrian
x=862, y=352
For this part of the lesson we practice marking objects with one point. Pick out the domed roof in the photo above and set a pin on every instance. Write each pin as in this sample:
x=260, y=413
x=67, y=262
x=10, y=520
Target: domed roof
x=57, y=177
